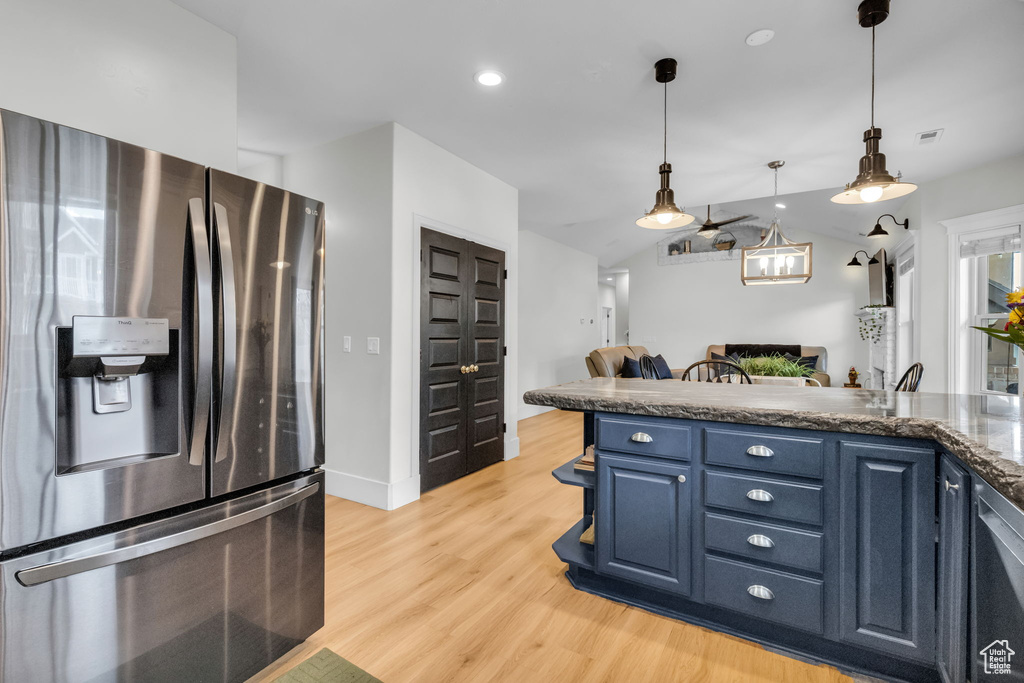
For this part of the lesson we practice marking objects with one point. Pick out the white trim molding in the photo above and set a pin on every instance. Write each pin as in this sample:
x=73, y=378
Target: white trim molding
x=956, y=228
x=371, y=492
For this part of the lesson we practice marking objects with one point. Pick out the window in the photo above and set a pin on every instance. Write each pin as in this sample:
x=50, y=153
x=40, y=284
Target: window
x=989, y=268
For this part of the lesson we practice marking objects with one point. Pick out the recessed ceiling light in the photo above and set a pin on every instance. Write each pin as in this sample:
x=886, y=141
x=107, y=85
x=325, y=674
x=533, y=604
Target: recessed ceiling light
x=760, y=37
x=780, y=206
x=489, y=77
x=608, y=279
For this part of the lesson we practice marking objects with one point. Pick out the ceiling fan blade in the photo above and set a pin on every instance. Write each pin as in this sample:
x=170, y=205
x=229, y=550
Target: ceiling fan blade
x=731, y=220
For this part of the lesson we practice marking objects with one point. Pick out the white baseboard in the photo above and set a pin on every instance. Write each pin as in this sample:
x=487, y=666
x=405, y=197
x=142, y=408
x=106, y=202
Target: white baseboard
x=371, y=492
x=511, y=447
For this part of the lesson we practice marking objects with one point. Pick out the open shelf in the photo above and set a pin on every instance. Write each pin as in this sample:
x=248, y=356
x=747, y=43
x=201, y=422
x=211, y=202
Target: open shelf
x=567, y=474
x=571, y=551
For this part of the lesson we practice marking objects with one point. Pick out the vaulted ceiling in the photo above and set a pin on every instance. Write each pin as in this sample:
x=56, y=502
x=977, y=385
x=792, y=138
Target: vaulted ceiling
x=577, y=125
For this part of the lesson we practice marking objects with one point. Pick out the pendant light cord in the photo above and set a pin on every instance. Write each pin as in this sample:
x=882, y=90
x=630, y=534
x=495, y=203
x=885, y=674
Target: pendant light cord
x=664, y=142
x=872, y=76
x=776, y=195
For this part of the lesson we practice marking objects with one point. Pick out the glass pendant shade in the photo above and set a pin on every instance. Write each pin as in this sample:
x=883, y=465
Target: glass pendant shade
x=665, y=214
x=776, y=260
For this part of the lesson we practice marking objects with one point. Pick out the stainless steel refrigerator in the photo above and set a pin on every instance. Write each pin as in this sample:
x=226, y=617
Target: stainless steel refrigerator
x=161, y=413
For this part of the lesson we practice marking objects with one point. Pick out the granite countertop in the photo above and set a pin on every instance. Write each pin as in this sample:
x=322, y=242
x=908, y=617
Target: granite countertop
x=983, y=431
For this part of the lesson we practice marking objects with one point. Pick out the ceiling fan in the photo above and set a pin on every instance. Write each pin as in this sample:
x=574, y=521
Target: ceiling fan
x=711, y=228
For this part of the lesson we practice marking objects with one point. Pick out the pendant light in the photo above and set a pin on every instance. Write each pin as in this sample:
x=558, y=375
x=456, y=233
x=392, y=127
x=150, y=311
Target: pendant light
x=665, y=214
x=873, y=182
x=776, y=260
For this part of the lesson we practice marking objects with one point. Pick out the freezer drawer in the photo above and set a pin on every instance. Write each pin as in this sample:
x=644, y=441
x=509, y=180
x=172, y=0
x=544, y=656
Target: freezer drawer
x=212, y=595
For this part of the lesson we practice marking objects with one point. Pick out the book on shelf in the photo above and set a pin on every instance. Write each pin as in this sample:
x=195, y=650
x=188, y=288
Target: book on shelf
x=586, y=461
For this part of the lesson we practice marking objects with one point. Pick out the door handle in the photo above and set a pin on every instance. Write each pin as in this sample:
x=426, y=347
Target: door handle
x=640, y=437
x=65, y=568
x=464, y=369
x=760, y=451
x=760, y=495
x=229, y=354
x=476, y=368
x=204, y=329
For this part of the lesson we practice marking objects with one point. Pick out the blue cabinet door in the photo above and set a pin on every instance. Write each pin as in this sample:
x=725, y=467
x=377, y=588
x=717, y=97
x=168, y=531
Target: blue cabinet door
x=951, y=627
x=642, y=514
x=997, y=588
x=887, y=549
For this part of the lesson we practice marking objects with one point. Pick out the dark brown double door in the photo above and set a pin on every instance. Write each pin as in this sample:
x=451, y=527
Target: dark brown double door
x=462, y=357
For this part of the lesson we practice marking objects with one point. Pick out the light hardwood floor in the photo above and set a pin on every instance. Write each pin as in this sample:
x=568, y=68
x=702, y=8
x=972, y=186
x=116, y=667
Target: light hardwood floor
x=462, y=585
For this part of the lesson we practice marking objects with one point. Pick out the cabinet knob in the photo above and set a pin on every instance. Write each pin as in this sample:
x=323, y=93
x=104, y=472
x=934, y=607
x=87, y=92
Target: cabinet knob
x=760, y=451
x=463, y=369
x=640, y=437
x=761, y=592
x=761, y=541
x=681, y=478
x=474, y=368
x=951, y=486
x=760, y=495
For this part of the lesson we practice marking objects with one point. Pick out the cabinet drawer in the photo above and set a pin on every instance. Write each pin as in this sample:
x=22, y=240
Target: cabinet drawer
x=643, y=437
x=764, y=452
x=764, y=542
x=785, y=500
x=786, y=599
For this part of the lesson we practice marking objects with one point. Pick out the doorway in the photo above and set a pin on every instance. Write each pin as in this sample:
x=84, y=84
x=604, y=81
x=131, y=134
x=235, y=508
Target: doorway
x=462, y=357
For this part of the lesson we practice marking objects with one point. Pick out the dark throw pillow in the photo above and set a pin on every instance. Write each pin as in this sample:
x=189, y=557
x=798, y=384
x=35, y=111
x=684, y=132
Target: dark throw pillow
x=661, y=365
x=630, y=368
x=806, y=361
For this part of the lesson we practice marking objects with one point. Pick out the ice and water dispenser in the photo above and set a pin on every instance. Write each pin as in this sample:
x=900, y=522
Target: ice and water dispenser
x=117, y=392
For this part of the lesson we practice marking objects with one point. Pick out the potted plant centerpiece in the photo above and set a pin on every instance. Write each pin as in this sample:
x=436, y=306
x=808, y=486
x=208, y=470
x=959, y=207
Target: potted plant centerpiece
x=770, y=370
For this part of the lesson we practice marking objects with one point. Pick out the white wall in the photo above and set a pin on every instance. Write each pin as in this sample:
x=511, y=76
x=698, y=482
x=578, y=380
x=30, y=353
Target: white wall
x=353, y=177
x=606, y=299
x=267, y=168
x=992, y=186
x=558, y=287
x=142, y=71
x=687, y=307
x=434, y=188
x=621, y=309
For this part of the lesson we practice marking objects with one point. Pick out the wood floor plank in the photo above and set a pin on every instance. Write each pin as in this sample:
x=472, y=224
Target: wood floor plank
x=462, y=585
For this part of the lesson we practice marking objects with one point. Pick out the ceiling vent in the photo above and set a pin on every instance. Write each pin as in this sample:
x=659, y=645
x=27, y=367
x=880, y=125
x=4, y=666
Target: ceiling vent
x=929, y=136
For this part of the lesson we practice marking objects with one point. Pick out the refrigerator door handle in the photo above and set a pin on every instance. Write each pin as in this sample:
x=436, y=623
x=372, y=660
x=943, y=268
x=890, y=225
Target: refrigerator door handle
x=204, y=355
x=59, y=570
x=229, y=357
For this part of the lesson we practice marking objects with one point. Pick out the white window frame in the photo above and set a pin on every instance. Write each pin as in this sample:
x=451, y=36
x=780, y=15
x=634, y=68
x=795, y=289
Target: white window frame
x=964, y=346
x=908, y=248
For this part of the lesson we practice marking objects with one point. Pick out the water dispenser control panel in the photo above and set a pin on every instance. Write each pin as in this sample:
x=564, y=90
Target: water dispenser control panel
x=95, y=336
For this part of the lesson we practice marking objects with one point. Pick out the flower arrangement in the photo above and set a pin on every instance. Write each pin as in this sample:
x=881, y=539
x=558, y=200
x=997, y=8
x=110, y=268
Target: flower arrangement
x=1013, y=331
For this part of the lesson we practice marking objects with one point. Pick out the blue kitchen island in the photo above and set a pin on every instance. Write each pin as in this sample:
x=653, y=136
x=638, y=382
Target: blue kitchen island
x=878, y=532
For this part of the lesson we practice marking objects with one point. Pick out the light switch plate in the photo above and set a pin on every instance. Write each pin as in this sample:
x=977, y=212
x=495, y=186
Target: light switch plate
x=346, y=344
x=373, y=345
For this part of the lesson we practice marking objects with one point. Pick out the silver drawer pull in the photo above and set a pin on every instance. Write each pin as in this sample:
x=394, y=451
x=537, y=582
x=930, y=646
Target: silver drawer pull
x=761, y=592
x=760, y=451
x=681, y=478
x=640, y=437
x=951, y=486
x=760, y=495
x=761, y=541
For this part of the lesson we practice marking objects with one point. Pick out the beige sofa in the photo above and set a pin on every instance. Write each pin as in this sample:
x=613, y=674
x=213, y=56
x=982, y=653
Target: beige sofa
x=607, y=362
x=820, y=369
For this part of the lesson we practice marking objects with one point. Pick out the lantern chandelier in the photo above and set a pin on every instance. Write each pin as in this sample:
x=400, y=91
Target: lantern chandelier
x=776, y=260
x=873, y=183
x=665, y=214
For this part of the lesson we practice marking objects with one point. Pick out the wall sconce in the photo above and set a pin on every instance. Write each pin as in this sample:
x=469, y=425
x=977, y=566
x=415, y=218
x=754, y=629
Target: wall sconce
x=877, y=231
x=854, y=262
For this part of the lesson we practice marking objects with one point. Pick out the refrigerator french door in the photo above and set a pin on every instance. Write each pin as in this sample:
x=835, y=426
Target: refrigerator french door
x=160, y=413
x=267, y=259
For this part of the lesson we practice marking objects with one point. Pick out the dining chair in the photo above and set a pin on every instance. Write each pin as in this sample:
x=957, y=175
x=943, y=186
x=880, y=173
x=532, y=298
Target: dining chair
x=718, y=371
x=911, y=379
